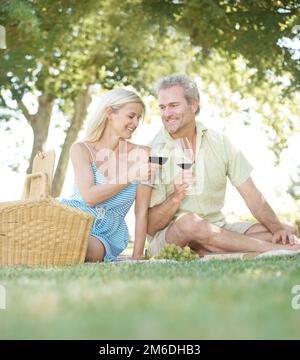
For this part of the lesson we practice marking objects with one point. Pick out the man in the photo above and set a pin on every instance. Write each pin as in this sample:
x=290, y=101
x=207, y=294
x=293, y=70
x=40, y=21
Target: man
x=196, y=220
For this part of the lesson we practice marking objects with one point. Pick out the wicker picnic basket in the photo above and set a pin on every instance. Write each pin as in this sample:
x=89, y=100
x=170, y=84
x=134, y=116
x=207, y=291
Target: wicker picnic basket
x=39, y=230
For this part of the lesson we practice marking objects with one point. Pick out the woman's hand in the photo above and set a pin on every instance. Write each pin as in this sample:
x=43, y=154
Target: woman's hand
x=136, y=256
x=147, y=174
x=141, y=170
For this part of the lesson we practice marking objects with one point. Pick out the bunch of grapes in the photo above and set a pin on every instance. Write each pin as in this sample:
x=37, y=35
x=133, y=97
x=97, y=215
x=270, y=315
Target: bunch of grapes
x=175, y=252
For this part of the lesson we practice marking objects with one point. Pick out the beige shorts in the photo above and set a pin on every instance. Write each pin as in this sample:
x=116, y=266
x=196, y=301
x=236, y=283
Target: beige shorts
x=159, y=240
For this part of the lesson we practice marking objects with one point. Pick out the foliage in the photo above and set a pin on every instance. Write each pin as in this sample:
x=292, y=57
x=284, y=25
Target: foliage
x=259, y=31
x=294, y=186
x=230, y=88
x=102, y=42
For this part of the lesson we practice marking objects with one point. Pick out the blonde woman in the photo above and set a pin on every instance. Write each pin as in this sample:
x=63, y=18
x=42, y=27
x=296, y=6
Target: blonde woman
x=105, y=184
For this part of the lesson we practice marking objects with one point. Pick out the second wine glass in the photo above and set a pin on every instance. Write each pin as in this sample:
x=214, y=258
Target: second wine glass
x=184, y=155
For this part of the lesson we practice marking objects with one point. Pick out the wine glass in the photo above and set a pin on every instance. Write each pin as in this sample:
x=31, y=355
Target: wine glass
x=158, y=155
x=184, y=155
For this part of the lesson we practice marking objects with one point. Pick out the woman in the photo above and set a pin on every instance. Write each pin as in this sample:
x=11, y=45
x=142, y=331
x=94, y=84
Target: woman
x=105, y=183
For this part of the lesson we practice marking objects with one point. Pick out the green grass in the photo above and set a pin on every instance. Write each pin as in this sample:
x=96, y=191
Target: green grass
x=230, y=299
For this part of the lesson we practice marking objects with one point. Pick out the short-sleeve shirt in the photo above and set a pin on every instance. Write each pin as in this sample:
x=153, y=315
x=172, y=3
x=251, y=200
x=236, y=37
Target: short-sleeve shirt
x=216, y=159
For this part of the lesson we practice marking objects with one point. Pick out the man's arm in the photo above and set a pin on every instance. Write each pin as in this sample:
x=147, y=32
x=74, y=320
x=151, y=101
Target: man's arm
x=263, y=212
x=160, y=215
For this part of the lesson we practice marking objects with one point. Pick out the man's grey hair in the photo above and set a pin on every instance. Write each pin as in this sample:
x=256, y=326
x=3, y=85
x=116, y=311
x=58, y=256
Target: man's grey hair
x=191, y=92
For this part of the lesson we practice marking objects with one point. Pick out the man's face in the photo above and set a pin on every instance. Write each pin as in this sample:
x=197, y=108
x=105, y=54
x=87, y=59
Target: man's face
x=176, y=112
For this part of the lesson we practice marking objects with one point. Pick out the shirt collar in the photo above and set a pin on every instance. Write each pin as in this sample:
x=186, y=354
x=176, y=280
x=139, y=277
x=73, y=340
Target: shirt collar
x=200, y=128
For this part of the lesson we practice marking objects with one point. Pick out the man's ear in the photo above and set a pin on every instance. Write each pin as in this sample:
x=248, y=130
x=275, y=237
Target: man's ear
x=195, y=105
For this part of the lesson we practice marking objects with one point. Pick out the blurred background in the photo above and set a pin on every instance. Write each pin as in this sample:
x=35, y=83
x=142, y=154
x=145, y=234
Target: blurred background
x=58, y=56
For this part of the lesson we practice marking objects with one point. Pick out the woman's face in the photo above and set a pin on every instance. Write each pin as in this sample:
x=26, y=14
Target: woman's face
x=125, y=120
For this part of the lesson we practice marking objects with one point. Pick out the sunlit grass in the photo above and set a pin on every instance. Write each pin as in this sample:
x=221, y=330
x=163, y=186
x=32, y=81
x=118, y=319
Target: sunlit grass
x=215, y=299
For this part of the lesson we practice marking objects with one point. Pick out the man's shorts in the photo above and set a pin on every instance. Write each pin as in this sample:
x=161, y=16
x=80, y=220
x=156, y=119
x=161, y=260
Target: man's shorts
x=159, y=240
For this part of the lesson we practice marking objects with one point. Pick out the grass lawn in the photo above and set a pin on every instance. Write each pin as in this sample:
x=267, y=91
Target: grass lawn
x=231, y=299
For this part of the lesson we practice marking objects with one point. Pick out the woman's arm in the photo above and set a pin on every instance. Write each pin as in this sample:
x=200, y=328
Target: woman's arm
x=92, y=194
x=142, y=202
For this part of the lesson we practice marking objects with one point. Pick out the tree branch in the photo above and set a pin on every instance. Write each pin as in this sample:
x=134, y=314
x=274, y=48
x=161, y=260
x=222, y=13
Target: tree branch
x=6, y=105
x=23, y=108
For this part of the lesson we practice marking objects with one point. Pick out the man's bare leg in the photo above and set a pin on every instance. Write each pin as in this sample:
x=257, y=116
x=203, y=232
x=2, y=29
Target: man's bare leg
x=199, y=234
x=259, y=231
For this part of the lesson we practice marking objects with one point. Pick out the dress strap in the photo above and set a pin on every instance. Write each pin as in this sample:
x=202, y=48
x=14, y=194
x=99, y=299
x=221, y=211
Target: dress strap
x=89, y=149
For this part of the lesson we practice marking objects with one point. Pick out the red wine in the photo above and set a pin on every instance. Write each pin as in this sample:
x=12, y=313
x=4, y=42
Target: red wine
x=161, y=160
x=185, y=166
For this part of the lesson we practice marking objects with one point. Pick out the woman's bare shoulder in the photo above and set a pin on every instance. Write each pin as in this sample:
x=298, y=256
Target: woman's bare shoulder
x=79, y=151
x=132, y=146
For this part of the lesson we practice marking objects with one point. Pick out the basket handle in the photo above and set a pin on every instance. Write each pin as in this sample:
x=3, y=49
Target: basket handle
x=31, y=191
x=44, y=162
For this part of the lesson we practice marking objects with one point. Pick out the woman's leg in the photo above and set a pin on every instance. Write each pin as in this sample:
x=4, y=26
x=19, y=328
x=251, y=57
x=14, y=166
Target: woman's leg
x=95, y=251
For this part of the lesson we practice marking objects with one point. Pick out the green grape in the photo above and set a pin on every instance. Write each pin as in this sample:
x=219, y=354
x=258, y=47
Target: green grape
x=175, y=252
x=187, y=250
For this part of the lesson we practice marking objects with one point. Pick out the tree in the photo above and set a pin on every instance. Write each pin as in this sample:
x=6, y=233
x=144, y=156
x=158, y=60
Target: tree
x=34, y=31
x=58, y=50
x=259, y=31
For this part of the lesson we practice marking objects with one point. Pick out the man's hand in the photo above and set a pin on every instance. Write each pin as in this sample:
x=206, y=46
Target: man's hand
x=180, y=192
x=181, y=183
x=160, y=215
x=284, y=236
x=263, y=212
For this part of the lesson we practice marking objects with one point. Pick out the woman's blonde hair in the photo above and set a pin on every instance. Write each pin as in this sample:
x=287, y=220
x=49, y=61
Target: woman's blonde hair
x=114, y=99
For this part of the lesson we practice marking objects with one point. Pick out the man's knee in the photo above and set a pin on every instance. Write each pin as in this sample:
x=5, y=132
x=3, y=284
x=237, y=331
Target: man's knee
x=194, y=227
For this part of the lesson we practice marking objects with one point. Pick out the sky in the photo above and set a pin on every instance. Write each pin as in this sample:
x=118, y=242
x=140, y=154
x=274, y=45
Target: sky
x=252, y=140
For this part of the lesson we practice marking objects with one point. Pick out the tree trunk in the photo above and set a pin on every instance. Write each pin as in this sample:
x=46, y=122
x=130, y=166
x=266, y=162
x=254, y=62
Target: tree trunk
x=81, y=105
x=40, y=125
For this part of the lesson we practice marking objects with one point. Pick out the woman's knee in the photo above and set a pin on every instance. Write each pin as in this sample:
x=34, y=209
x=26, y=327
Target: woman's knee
x=95, y=251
